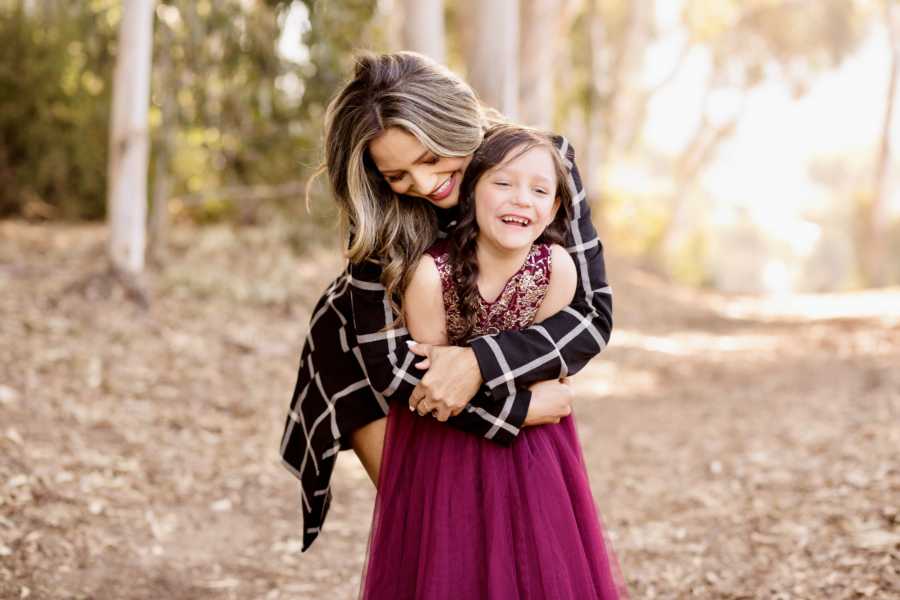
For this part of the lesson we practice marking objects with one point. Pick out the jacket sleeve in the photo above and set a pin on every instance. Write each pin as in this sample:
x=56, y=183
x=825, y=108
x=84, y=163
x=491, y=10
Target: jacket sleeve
x=388, y=361
x=564, y=343
x=389, y=364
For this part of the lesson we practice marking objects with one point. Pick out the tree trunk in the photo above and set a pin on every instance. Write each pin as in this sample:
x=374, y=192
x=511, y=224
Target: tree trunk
x=386, y=18
x=462, y=28
x=874, y=246
x=628, y=134
x=626, y=70
x=493, y=60
x=423, y=28
x=593, y=154
x=129, y=142
x=539, y=25
x=699, y=152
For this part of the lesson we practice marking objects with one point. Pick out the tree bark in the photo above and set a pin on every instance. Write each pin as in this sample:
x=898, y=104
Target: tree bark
x=423, y=28
x=129, y=142
x=699, y=152
x=623, y=105
x=628, y=137
x=493, y=62
x=539, y=26
x=386, y=16
x=593, y=154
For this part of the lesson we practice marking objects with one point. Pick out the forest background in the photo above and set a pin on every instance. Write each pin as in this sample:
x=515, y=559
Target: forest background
x=740, y=158
x=744, y=146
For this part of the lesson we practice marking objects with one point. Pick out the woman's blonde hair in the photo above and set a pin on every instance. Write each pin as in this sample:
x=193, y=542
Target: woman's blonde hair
x=411, y=92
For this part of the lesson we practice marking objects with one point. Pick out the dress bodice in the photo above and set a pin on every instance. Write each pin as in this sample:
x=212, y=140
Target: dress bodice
x=514, y=308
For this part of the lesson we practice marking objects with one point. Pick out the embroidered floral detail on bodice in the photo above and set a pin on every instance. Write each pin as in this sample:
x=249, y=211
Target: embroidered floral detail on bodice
x=514, y=308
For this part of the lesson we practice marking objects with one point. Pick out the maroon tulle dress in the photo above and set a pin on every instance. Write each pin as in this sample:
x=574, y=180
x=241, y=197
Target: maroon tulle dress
x=460, y=517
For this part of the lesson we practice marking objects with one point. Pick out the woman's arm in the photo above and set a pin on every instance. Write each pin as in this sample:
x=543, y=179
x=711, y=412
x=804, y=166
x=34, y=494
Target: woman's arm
x=390, y=365
x=550, y=399
x=382, y=346
x=563, y=343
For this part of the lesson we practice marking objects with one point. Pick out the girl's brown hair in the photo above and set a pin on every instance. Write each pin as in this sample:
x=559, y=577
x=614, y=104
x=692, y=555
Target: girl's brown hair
x=502, y=143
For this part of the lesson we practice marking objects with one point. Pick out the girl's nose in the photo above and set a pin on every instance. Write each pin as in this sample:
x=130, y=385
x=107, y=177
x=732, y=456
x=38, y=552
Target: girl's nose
x=521, y=197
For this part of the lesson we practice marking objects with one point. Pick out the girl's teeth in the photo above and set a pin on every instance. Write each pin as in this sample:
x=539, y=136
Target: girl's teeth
x=522, y=222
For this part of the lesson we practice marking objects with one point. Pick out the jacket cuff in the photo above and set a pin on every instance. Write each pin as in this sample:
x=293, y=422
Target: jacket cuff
x=490, y=368
x=515, y=419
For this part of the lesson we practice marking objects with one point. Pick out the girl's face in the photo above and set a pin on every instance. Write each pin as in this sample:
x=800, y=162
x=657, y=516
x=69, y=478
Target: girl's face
x=411, y=169
x=516, y=200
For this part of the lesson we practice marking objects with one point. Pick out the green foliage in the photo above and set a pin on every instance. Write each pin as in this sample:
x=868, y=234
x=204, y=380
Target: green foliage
x=227, y=111
x=333, y=37
x=231, y=123
x=54, y=105
x=245, y=115
x=226, y=108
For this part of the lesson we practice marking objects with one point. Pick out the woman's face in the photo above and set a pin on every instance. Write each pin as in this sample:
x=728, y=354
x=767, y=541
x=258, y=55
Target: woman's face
x=411, y=169
x=516, y=200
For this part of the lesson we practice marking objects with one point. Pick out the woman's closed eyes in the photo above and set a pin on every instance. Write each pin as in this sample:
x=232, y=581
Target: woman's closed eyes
x=431, y=160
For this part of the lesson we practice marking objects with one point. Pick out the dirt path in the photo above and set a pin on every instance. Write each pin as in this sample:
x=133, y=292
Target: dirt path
x=737, y=449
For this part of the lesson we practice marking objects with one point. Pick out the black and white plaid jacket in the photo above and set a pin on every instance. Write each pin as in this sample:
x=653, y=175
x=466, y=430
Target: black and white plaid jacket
x=351, y=366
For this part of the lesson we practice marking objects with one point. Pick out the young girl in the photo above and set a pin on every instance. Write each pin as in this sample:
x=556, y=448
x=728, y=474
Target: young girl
x=457, y=516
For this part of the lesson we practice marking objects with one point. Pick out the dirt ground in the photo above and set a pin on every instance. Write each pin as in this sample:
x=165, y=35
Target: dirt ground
x=738, y=447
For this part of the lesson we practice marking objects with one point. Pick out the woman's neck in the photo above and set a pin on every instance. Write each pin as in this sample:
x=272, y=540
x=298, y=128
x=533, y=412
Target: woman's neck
x=495, y=266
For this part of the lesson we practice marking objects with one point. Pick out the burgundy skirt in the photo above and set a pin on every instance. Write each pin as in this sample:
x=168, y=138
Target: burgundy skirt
x=458, y=516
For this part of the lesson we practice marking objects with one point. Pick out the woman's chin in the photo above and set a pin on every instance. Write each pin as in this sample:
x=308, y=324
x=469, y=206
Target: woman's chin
x=448, y=202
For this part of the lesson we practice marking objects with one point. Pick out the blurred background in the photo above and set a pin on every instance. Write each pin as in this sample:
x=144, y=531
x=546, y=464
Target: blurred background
x=743, y=146
x=741, y=162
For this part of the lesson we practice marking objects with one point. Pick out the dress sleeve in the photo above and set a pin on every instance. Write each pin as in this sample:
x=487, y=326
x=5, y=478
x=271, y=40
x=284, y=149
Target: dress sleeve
x=562, y=344
x=389, y=364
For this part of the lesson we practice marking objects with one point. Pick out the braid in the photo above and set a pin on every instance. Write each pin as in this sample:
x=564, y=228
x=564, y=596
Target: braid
x=464, y=258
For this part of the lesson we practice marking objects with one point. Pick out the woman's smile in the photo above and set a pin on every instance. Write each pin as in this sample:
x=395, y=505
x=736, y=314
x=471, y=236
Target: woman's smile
x=445, y=189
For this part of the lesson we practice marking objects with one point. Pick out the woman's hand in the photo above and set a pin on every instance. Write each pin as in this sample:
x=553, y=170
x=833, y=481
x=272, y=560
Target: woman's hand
x=452, y=380
x=550, y=402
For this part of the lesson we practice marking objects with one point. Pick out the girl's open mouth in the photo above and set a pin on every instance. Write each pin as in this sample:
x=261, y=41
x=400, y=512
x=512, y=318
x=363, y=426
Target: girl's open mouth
x=515, y=221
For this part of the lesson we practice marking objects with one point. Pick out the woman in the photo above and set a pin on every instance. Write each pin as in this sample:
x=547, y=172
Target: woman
x=398, y=137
